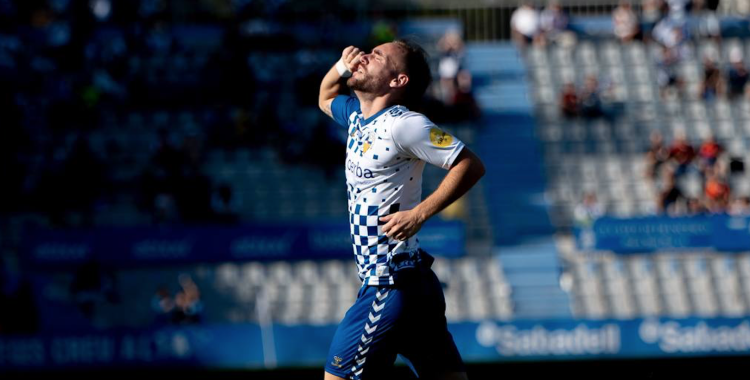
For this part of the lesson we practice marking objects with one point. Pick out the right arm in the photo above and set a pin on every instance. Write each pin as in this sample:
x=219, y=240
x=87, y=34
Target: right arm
x=333, y=83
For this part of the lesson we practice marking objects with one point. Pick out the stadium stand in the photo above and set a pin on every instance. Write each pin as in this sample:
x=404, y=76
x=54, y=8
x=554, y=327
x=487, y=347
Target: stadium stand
x=678, y=285
x=607, y=156
x=294, y=293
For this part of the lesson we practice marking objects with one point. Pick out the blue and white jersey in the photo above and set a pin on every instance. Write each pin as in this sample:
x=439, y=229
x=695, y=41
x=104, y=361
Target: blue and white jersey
x=385, y=156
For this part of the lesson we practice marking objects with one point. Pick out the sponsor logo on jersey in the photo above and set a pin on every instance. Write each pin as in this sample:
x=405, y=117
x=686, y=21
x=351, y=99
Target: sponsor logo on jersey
x=360, y=172
x=440, y=138
x=336, y=361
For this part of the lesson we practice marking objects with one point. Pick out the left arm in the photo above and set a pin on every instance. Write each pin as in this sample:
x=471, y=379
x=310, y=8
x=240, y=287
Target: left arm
x=466, y=170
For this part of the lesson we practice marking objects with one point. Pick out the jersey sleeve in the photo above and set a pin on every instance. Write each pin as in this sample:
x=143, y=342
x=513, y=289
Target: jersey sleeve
x=415, y=135
x=342, y=107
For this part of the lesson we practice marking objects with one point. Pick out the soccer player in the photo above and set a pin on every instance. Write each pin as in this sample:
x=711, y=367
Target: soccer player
x=400, y=308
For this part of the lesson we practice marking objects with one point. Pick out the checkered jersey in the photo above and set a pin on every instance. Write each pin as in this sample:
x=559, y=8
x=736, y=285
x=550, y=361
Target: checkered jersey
x=385, y=157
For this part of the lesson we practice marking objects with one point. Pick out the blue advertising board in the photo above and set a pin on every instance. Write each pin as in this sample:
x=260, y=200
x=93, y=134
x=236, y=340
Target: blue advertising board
x=180, y=245
x=221, y=346
x=572, y=339
x=648, y=234
x=234, y=346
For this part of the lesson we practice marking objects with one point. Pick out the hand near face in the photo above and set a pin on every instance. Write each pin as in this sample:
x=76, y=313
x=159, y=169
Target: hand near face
x=351, y=57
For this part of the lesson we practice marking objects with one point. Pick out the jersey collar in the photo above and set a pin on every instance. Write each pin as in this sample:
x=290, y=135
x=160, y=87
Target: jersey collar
x=375, y=116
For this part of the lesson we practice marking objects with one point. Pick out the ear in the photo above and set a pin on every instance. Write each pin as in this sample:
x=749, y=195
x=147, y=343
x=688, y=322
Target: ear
x=399, y=81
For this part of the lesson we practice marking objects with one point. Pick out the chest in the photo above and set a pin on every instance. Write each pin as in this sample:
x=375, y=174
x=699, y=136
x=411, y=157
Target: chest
x=371, y=152
x=371, y=141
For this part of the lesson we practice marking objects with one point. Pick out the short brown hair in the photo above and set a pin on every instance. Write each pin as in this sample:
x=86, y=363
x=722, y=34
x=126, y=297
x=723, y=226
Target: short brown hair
x=417, y=69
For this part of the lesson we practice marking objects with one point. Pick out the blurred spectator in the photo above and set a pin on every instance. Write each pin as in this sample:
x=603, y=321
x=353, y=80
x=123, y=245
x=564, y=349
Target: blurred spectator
x=737, y=75
x=225, y=204
x=569, y=100
x=671, y=198
x=162, y=304
x=717, y=192
x=588, y=211
x=709, y=152
x=455, y=81
x=712, y=85
x=188, y=306
x=451, y=48
x=695, y=206
x=590, y=100
x=524, y=25
x=681, y=153
x=656, y=155
x=673, y=33
x=465, y=105
x=739, y=206
x=553, y=23
x=651, y=13
x=667, y=73
x=625, y=22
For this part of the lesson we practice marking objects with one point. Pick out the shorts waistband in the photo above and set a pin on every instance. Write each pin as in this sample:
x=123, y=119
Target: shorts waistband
x=411, y=259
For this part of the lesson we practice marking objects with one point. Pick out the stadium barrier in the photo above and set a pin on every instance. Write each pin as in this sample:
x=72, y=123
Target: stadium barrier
x=143, y=246
x=649, y=234
x=250, y=346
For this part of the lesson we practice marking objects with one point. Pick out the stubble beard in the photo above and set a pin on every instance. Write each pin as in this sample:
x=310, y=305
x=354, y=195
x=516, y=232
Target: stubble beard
x=365, y=84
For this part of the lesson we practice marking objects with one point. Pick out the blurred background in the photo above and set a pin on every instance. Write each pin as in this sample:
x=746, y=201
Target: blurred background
x=173, y=201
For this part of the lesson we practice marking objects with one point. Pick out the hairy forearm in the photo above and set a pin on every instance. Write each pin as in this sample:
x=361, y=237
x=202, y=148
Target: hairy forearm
x=331, y=86
x=460, y=178
x=333, y=83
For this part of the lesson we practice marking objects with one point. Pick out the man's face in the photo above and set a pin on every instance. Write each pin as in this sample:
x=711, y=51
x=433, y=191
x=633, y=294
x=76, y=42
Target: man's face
x=375, y=71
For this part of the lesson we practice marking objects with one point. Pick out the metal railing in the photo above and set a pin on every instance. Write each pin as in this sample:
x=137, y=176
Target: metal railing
x=489, y=20
x=490, y=23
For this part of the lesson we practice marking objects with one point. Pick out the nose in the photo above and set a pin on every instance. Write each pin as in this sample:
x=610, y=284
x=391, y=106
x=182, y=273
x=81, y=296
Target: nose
x=364, y=59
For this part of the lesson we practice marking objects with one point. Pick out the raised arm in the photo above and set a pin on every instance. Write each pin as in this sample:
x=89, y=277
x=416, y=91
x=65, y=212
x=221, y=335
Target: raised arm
x=334, y=82
x=466, y=170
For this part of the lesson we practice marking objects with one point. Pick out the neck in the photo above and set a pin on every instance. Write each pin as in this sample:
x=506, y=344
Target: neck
x=372, y=104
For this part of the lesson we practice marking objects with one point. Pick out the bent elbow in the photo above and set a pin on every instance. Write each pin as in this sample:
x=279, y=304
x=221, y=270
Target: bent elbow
x=480, y=169
x=322, y=104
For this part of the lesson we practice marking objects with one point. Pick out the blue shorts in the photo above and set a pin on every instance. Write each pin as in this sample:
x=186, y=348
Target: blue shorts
x=407, y=319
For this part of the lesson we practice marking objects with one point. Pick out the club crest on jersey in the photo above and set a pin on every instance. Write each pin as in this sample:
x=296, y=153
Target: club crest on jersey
x=366, y=144
x=440, y=138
